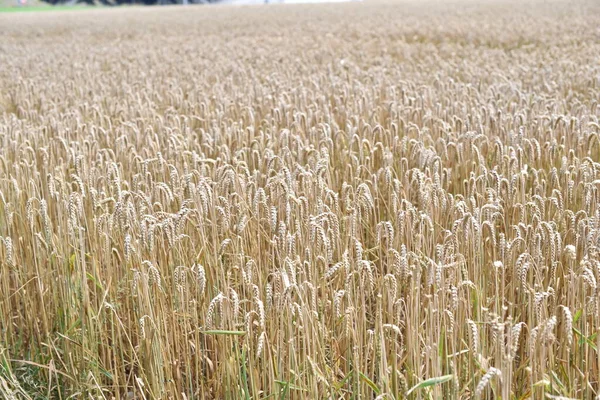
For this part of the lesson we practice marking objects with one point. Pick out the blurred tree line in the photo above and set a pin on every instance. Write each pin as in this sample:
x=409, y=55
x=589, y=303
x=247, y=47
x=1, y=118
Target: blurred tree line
x=121, y=2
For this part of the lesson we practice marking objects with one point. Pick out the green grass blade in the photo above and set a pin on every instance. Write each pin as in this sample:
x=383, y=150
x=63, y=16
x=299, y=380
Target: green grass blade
x=430, y=382
x=369, y=383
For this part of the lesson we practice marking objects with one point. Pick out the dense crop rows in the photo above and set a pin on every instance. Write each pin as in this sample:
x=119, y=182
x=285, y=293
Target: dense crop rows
x=334, y=201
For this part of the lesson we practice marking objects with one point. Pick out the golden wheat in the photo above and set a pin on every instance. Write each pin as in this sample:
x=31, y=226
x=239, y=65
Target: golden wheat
x=363, y=200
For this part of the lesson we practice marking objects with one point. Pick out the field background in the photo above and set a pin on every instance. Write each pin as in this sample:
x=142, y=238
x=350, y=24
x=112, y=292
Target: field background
x=359, y=200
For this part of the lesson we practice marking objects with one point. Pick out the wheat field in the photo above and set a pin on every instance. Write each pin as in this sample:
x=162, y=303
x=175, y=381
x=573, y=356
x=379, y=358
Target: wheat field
x=375, y=200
